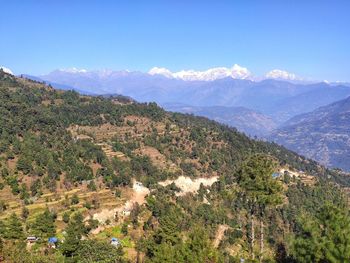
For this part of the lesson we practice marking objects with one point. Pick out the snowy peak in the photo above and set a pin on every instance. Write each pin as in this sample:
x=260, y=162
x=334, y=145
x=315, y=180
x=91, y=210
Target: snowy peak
x=6, y=70
x=236, y=72
x=281, y=74
x=161, y=71
x=73, y=70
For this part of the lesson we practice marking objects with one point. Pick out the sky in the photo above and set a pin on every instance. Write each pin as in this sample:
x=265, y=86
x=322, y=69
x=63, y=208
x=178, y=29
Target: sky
x=310, y=38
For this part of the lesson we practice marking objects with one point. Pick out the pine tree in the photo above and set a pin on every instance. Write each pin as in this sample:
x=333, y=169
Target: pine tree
x=200, y=247
x=90, y=251
x=323, y=238
x=260, y=190
x=44, y=225
x=2, y=228
x=14, y=229
x=25, y=212
x=75, y=230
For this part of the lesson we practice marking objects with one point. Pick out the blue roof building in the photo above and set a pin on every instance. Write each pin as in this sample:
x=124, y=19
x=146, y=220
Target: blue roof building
x=115, y=242
x=53, y=240
x=276, y=175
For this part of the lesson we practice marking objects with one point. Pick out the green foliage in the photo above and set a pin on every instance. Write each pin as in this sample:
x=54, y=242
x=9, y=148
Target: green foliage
x=255, y=178
x=25, y=212
x=197, y=248
x=92, y=224
x=92, y=186
x=3, y=206
x=325, y=238
x=124, y=229
x=35, y=136
x=35, y=187
x=44, y=225
x=75, y=199
x=93, y=251
x=74, y=232
x=17, y=252
x=65, y=217
x=14, y=229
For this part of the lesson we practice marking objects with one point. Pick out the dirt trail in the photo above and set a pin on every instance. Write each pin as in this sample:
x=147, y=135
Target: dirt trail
x=220, y=234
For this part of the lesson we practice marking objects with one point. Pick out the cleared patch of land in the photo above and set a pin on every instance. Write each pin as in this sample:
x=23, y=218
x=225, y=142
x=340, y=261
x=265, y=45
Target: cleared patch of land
x=189, y=185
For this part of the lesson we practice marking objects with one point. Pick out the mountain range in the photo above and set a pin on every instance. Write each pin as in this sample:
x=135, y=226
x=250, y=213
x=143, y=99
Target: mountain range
x=265, y=108
x=323, y=134
x=99, y=172
x=279, y=99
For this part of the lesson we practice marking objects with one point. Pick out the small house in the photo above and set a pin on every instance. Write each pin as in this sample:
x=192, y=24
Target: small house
x=32, y=239
x=53, y=242
x=276, y=175
x=115, y=242
x=139, y=184
x=126, y=212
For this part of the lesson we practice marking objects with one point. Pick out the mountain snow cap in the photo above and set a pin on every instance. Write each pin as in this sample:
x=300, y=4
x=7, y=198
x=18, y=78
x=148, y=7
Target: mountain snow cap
x=281, y=74
x=6, y=70
x=236, y=72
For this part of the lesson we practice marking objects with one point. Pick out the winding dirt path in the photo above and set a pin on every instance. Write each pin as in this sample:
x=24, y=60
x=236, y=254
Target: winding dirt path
x=220, y=234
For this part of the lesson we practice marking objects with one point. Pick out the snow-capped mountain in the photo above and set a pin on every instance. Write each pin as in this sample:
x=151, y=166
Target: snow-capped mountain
x=236, y=72
x=282, y=74
x=7, y=70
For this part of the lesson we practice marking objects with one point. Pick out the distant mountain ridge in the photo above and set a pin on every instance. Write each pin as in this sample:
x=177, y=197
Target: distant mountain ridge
x=57, y=85
x=245, y=120
x=278, y=99
x=323, y=134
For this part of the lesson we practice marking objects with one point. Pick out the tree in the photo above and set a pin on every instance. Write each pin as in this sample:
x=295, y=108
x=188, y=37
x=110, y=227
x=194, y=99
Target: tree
x=92, y=186
x=44, y=225
x=24, y=192
x=24, y=165
x=3, y=205
x=91, y=251
x=65, y=217
x=75, y=199
x=124, y=229
x=25, y=212
x=261, y=190
x=75, y=230
x=323, y=238
x=134, y=213
x=35, y=187
x=199, y=247
x=2, y=228
x=14, y=229
x=92, y=224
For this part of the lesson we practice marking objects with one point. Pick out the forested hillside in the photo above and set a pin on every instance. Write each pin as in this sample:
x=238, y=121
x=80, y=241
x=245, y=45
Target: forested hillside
x=323, y=134
x=84, y=170
x=250, y=122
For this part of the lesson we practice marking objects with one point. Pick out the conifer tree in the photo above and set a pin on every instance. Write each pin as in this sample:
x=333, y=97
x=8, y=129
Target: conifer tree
x=323, y=238
x=14, y=229
x=44, y=225
x=75, y=231
x=260, y=190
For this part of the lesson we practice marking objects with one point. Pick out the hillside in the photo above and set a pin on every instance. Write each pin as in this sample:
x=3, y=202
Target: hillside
x=244, y=120
x=168, y=187
x=323, y=135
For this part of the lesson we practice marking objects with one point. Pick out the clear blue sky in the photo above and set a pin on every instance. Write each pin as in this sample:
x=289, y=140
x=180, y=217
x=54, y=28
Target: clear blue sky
x=307, y=37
